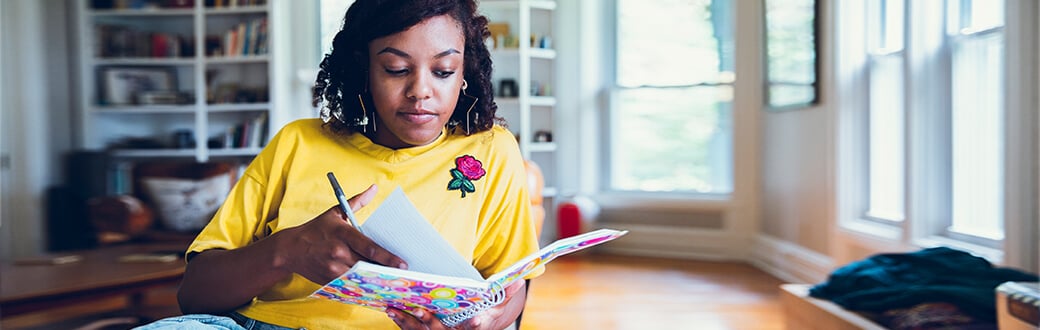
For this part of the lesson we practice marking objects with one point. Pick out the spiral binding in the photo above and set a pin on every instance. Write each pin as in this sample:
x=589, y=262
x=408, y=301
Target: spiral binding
x=494, y=299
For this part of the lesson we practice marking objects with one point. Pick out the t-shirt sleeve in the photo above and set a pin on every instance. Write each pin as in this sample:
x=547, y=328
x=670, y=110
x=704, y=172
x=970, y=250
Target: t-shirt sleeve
x=237, y=221
x=507, y=231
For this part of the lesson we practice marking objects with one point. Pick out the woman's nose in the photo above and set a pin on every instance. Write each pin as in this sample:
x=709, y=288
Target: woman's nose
x=420, y=88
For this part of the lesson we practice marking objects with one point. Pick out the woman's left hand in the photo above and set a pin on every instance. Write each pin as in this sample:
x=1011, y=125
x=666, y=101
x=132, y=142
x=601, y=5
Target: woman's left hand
x=496, y=318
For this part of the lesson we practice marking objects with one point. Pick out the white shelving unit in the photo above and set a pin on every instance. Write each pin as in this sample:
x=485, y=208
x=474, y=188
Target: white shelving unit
x=218, y=85
x=530, y=62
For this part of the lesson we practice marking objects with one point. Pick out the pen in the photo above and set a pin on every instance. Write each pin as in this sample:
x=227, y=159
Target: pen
x=343, y=201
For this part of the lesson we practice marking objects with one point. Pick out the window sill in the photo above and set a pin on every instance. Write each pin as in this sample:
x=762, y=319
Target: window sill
x=662, y=201
x=995, y=256
x=873, y=229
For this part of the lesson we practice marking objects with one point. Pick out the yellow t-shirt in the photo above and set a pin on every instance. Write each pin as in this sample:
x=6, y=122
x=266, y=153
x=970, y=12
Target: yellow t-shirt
x=285, y=186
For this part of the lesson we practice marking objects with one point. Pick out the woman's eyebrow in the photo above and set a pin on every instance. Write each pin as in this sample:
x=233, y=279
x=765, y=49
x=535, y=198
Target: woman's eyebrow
x=447, y=52
x=401, y=53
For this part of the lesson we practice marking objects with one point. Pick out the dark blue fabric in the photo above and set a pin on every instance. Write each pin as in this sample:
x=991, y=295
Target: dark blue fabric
x=900, y=280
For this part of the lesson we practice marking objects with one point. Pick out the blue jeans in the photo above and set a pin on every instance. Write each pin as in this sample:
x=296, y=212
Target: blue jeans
x=235, y=321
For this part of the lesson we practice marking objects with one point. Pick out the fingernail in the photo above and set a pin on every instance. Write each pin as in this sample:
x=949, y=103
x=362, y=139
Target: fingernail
x=391, y=315
x=402, y=265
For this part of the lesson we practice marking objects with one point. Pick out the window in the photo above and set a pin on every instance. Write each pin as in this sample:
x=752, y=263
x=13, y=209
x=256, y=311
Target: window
x=976, y=38
x=934, y=115
x=331, y=12
x=670, y=121
x=790, y=54
x=886, y=114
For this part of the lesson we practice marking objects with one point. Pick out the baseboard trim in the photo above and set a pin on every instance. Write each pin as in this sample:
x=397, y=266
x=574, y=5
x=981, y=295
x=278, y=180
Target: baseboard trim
x=789, y=262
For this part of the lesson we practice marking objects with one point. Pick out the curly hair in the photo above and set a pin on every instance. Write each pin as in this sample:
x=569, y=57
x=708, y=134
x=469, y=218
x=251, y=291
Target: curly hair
x=343, y=72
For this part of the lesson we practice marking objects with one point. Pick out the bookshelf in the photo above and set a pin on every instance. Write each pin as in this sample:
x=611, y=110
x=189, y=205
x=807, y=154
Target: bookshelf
x=174, y=79
x=529, y=62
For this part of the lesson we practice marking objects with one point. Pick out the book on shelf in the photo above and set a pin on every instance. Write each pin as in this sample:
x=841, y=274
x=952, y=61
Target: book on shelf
x=439, y=280
x=247, y=134
x=119, y=41
x=234, y=3
x=244, y=39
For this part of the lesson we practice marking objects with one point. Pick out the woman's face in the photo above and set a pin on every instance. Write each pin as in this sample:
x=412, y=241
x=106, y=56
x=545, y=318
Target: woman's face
x=415, y=77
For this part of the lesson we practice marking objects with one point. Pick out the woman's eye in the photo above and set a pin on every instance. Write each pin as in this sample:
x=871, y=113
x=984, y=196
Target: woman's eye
x=443, y=74
x=396, y=72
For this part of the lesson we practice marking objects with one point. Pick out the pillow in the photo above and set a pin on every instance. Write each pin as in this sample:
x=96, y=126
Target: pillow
x=187, y=204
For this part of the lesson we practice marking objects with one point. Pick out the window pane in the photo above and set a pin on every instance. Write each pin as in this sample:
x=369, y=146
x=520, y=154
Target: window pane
x=332, y=12
x=672, y=139
x=791, y=58
x=885, y=20
x=666, y=43
x=671, y=122
x=977, y=145
x=887, y=139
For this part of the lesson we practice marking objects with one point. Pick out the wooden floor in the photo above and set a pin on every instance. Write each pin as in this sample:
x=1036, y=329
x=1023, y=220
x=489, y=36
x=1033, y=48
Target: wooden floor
x=592, y=291
x=589, y=291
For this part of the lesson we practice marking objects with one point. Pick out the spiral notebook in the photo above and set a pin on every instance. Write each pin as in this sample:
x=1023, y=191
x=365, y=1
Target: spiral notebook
x=447, y=289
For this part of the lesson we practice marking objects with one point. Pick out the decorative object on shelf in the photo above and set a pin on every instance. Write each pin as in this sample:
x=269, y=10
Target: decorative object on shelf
x=545, y=42
x=499, y=31
x=136, y=143
x=508, y=88
x=125, y=85
x=510, y=41
x=183, y=139
x=180, y=3
x=122, y=41
x=543, y=136
x=162, y=97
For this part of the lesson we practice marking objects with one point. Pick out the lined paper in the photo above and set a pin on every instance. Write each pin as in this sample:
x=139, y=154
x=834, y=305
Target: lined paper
x=398, y=227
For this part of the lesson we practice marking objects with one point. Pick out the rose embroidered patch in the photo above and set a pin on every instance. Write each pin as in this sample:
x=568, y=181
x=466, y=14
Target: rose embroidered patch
x=467, y=169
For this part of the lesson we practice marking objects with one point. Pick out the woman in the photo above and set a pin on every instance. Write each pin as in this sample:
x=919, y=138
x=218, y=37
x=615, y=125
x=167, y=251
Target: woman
x=406, y=101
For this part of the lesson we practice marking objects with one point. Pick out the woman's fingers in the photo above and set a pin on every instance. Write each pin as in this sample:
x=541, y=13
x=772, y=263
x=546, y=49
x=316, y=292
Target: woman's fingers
x=362, y=199
x=422, y=319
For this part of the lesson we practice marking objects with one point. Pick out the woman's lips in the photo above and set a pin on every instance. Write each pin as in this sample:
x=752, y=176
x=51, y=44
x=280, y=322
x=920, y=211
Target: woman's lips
x=418, y=117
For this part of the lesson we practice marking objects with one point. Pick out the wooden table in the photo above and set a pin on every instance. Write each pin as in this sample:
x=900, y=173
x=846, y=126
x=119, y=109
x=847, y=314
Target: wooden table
x=99, y=274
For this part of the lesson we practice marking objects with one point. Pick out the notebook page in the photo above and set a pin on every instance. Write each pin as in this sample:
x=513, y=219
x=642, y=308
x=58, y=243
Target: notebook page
x=558, y=248
x=398, y=227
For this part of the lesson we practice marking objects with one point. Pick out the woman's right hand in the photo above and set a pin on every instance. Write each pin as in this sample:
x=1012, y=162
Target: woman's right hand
x=327, y=246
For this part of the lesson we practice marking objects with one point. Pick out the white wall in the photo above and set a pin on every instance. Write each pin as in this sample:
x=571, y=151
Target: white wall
x=797, y=168
x=37, y=116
